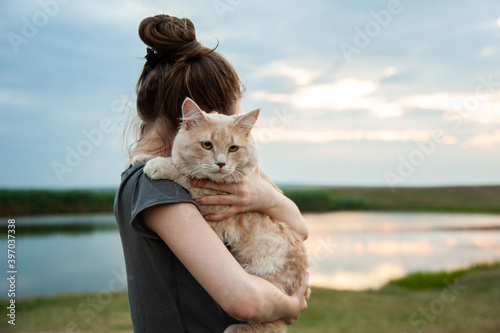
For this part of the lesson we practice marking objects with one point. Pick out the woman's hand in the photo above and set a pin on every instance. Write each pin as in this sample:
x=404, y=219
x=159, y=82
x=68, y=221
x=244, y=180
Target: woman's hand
x=252, y=194
x=300, y=295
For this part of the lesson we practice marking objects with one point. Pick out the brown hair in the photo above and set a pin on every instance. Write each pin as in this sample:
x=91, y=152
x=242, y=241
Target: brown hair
x=181, y=67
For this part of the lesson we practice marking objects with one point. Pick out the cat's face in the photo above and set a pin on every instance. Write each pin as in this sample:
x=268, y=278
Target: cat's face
x=214, y=146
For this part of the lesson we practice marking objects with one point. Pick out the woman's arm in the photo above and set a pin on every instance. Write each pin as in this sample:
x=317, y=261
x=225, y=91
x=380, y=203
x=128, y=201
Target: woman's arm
x=253, y=194
x=242, y=295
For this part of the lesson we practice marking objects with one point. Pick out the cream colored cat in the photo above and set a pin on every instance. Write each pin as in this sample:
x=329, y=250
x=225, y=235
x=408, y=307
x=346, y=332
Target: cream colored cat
x=220, y=148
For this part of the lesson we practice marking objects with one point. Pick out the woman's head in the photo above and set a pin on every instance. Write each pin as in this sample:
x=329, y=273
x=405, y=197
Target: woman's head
x=178, y=66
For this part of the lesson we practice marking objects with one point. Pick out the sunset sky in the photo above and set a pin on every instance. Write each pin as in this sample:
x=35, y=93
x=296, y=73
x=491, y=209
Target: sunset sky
x=359, y=93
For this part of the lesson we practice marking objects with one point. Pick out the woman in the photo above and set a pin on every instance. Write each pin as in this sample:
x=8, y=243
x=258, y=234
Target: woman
x=181, y=277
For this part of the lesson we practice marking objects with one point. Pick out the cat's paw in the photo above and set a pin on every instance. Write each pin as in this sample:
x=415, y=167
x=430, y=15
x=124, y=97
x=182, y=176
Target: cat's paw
x=142, y=158
x=158, y=168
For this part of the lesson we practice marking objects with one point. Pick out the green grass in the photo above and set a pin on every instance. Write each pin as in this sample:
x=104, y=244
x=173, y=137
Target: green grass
x=482, y=199
x=322, y=200
x=468, y=304
x=102, y=312
x=39, y=202
x=392, y=309
x=427, y=280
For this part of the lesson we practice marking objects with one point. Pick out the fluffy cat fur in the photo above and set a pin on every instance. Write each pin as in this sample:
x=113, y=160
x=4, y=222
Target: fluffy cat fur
x=220, y=148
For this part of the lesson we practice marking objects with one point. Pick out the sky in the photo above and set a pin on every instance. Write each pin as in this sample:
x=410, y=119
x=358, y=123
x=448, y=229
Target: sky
x=353, y=93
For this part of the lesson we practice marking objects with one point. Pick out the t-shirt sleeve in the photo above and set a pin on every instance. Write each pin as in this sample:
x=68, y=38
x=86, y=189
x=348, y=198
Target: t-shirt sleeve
x=148, y=193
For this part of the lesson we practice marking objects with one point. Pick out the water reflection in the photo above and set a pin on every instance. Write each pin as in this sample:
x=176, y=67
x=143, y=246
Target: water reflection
x=57, y=254
x=360, y=250
x=347, y=250
x=346, y=279
x=64, y=224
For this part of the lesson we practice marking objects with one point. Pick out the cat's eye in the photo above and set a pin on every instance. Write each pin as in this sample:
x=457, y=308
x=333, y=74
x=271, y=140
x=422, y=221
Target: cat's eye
x=207, y=145
x=232, y=149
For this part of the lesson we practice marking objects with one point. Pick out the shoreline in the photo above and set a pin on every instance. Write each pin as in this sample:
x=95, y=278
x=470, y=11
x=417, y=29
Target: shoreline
x=459, y=199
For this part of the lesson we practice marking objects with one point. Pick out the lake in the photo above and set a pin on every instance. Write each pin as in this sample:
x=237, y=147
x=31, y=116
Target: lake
x=361, y=250
x=347, y=250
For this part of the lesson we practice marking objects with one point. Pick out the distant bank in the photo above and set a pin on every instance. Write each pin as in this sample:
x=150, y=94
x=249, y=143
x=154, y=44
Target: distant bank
x=477, y=199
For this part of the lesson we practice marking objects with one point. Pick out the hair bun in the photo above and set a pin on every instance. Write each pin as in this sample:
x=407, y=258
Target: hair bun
x=171, y=36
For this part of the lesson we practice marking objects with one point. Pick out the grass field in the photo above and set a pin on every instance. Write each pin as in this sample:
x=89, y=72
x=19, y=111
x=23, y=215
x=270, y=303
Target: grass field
x=451, y=199
x=455, y=199
x=465, y=301
x=15, y=203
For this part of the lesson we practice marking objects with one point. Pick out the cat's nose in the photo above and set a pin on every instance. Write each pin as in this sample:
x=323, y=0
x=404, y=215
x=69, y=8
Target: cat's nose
x=221, y=165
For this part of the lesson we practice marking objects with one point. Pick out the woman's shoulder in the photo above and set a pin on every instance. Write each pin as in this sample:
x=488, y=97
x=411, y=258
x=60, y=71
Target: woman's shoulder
x=138, y=192
x=141, y=187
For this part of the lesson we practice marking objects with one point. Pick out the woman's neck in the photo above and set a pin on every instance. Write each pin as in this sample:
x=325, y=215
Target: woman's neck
x=152, y=143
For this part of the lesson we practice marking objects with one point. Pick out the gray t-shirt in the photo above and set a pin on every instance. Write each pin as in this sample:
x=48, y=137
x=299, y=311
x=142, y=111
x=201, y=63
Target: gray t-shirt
x=163, y=295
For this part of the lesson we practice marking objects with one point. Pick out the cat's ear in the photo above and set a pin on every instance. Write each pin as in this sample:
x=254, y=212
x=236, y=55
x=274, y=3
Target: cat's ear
x=192, y=115
x=245, y=122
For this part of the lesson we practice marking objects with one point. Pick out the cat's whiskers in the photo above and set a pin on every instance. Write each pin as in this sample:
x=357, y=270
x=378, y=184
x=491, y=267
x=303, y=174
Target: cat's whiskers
x=207, y=167
x=184, y=178
x=238, y=176
x=196, y=171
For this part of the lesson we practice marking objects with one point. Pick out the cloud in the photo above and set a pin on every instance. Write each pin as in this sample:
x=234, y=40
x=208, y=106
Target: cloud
x=262, y=95
x=435, y=101
x=354, y=94
x=357, y=94
x=299, y=75
x=343, y=94
x=14, y=97
x=488, y=51
x=487, y=140
x=487, y=25
x=390, y=71
x=262, y=135
x=486, y=111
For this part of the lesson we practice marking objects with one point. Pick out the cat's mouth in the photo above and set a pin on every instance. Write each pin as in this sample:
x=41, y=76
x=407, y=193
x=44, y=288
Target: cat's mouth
x=221, y=172
x=220, y=168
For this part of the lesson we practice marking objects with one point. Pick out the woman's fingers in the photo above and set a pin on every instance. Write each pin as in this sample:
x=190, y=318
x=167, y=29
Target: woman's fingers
x=305, y=284
x=252, y=194
x=236, y=194
x=223, y=187
x=216, y=217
